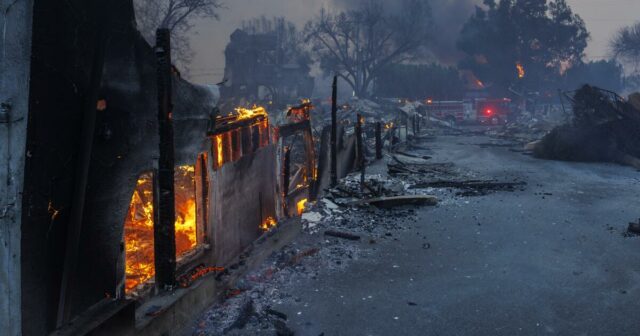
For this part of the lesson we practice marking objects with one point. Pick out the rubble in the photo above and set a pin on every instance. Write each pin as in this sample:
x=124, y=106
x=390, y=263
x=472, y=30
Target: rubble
x=604, y=129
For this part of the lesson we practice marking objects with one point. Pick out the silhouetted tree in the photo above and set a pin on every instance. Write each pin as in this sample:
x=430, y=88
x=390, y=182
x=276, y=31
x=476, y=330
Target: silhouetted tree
x=177, y=16
x=527, y=43
x=357, y=44
x=625, y=45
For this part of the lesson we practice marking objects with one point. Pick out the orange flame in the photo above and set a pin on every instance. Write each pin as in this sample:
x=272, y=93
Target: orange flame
x=246, y=113
x=520, y=68
x=268, y=224
x=138, y=227
x=220, y=150
x=301, y=205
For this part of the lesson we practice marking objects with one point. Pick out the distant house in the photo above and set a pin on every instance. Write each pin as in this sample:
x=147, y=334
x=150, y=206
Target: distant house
x=256, y=71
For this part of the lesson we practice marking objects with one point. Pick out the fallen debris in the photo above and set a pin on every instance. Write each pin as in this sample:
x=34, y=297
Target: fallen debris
x=472, y=188
x=634, y=228
x=604, y=129
x=396, y=201
x=342, y=235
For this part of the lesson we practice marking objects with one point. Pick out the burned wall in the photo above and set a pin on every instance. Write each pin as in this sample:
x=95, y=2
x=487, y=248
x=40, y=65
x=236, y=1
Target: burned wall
x=15, y=48
x=243, y=195
x=125, y=144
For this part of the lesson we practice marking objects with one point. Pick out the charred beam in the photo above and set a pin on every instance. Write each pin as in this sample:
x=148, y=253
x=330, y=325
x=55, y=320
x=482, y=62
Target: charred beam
x=164, y=228
x=378, y=140
x=334, y=132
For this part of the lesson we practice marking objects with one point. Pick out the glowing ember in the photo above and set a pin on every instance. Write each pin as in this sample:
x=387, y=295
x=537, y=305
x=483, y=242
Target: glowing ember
x=268, y=224
x=301, y=206
x=520, y=68
x=245, y=113
x=138, y=226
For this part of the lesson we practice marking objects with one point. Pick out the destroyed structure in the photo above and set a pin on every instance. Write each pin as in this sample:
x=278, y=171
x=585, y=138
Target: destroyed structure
x=95, y=120
x=258, y=71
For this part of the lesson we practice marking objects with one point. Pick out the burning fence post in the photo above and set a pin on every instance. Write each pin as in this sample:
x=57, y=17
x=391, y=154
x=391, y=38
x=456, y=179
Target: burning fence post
x=378, y=140
x=164, y=228
x=334, y=132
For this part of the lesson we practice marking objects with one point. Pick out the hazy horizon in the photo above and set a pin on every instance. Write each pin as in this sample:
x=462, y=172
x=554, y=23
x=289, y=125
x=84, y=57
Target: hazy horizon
x=602, y=17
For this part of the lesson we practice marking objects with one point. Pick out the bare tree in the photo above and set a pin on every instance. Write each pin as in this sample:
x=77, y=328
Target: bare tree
x=178, y=16
x=625, y=45
x=357, y=44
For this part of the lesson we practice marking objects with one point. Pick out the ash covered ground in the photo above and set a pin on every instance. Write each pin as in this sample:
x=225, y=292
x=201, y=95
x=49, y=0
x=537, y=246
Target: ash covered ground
x=516, y=245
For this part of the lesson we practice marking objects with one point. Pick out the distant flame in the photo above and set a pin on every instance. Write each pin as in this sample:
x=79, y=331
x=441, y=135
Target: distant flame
x=520, y=68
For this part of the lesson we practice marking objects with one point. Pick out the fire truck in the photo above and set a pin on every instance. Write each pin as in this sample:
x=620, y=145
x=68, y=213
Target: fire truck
x=484, y=111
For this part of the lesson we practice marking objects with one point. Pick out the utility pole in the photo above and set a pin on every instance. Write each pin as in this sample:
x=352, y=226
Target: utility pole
x=378, y=141
x=334, y=132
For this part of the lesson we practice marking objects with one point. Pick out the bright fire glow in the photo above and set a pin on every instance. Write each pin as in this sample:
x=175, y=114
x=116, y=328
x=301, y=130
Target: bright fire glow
x=520, y=68
x=301, y=206
x=138, y=226
x=489, y=112
x=138, y=232
x=246, y=113
x=185, y=194
x=268, y=224
x=220, y=151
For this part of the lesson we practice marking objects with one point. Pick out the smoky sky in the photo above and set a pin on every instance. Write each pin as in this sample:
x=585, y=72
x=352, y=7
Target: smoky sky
x=603, y=18
x=448, y=18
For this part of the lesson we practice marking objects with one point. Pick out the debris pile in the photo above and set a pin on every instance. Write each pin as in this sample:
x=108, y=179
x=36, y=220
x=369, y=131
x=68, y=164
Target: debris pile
x=605, y=128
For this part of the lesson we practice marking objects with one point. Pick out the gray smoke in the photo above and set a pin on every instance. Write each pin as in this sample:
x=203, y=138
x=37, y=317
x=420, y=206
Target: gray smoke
x=448, y=15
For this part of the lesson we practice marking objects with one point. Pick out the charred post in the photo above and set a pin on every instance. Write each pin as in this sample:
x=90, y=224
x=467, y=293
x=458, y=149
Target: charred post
x=334, y=132
x=164, y=229
x=378, y=141
x=360, y=157
x=286, y=174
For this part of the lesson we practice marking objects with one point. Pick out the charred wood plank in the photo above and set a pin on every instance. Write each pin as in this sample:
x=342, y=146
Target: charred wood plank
x=342, y=235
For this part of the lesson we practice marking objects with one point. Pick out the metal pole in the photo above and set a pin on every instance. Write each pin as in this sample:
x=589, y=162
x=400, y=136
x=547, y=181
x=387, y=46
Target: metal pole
x=164, y=228
x=334, y=132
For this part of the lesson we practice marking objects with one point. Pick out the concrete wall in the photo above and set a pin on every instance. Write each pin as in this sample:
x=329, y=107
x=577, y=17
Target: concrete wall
x=15, y=51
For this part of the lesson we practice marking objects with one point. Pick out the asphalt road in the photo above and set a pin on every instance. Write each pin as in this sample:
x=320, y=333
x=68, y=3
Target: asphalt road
x=551, y=259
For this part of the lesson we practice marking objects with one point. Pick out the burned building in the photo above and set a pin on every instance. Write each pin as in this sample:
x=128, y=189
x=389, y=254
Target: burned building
x=81, y=246
x=257, y=70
